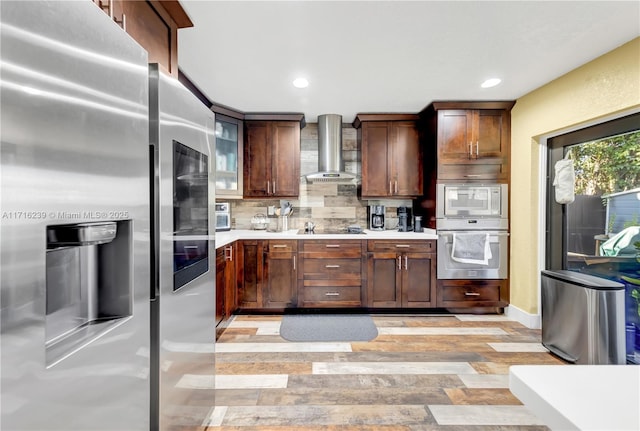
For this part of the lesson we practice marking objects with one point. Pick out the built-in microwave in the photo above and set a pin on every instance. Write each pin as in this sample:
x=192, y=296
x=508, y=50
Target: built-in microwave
x=223, y=216
x=472, y=201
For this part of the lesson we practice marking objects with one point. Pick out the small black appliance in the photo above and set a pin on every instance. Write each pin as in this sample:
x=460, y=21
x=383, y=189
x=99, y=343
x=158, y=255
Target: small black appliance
x=376, y=217
x=417, y=224
x=404, y=219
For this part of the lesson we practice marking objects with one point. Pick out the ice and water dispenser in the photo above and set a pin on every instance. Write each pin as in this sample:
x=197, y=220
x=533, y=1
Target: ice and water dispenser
x=88, y=284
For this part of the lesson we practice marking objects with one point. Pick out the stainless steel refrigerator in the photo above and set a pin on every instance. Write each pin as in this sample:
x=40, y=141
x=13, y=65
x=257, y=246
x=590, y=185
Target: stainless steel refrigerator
x=86, y=249
x=183, y=200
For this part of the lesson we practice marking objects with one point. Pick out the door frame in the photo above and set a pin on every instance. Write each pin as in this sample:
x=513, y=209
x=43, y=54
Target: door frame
x=550, y=149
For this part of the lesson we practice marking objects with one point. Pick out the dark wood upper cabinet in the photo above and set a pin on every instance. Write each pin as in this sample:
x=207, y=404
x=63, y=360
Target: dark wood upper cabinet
x=271, y=158
x=154, y=25
x=391, y=155
x=471, y=139
x=257, y=159
x=285, y=158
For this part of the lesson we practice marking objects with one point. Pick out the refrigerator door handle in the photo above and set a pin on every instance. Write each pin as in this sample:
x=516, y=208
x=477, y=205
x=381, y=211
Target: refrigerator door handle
x=154, y=231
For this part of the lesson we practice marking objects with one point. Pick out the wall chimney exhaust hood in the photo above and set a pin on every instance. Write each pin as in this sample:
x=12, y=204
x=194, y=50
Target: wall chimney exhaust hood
x=330, y=163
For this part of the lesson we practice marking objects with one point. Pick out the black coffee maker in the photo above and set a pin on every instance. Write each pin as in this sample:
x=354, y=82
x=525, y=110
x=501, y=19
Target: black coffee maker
x=404, y=219
x=376, y=217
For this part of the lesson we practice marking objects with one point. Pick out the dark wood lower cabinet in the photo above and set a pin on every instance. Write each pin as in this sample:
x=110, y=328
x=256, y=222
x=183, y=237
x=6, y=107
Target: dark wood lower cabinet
x=401, y=280
x=331, y=274
x=267, y=274
x=230, y=288
x=401, y=274
x=225, y=285
x=282, y=274
x=385, y=284
x=418, y=280
x=249, y=273
x=473, y=293
x=221, y=265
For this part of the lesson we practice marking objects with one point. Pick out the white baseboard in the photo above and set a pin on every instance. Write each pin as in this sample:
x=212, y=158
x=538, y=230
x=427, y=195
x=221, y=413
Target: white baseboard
x=531, y=321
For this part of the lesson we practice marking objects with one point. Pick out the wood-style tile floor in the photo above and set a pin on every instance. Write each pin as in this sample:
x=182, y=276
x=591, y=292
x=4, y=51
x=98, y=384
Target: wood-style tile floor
x=425, y=372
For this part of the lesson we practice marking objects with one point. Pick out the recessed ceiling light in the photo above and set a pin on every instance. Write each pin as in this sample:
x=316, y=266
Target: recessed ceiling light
x=491, y=82
x=301, y=83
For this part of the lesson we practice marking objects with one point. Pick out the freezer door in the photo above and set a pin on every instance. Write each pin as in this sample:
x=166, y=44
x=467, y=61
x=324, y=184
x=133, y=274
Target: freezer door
x=185, y=306
x=74, y=151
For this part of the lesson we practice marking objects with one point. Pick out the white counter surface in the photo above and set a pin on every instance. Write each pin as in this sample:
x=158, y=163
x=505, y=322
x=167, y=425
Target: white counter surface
x=224, y=238
x=580, y=397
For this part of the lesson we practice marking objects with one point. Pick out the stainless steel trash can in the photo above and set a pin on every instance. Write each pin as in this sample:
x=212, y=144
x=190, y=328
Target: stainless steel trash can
x=583, y=317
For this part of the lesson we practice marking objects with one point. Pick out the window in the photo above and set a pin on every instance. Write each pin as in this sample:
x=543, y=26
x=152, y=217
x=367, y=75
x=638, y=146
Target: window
x=607, y=168
x=599, y=233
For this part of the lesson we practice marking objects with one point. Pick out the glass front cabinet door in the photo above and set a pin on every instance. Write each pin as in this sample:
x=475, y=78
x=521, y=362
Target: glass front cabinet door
x=228, y=157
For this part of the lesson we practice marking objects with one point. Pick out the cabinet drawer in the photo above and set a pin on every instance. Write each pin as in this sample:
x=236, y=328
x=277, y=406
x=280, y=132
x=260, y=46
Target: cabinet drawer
x=319, y=294
x=327, y=249
x=402, y=246
x=472, y=171
x=332, y=268
x=469, y=293
x=282, y=246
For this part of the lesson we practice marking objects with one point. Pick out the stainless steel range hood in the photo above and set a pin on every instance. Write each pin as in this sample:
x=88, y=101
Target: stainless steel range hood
x=330, y=163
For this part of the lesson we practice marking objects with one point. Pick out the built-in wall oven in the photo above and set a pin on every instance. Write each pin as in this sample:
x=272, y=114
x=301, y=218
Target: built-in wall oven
x=472, y=225
x=472, y=254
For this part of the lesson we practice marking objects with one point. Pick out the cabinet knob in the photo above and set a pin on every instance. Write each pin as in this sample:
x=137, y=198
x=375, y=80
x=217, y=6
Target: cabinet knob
x=332, y=294
x=471, y=294
x=332, y=266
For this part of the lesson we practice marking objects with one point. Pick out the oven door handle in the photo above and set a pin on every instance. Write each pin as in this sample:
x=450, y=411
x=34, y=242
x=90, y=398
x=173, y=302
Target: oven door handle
x=493, y=236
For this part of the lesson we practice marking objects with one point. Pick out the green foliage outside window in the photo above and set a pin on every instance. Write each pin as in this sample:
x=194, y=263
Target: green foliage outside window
x=606, y=166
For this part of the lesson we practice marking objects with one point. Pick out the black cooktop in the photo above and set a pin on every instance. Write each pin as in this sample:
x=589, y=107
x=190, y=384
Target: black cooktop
x=330, y=232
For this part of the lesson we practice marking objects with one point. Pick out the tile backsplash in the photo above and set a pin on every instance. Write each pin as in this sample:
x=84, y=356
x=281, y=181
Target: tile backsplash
x=328, y=205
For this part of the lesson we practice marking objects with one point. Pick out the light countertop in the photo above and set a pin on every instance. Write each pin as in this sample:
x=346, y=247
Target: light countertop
x=224, y=238
x=580, y=397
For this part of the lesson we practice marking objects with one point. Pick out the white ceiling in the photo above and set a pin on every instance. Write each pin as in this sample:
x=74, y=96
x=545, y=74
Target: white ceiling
x=390, y=56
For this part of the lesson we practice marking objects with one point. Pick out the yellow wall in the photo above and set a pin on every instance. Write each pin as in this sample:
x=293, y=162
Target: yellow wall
x=607, y=85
